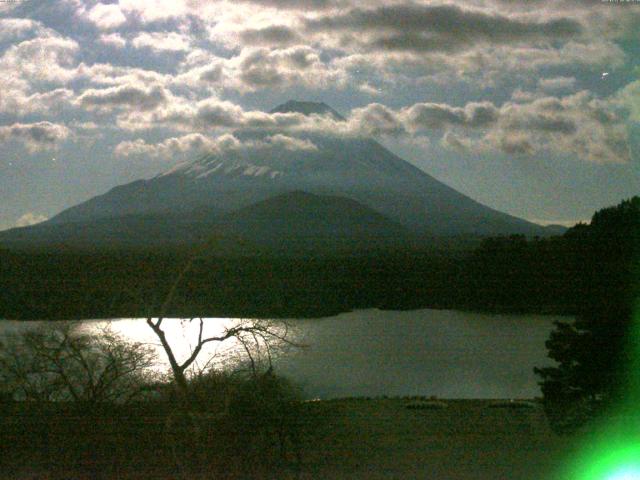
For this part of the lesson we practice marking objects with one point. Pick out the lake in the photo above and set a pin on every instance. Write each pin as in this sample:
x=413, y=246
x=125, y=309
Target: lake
x=446, y=353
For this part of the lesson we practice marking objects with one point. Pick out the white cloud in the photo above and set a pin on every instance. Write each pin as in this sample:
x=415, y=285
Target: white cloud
x=13, y=29
x=198, y=142
x=155, y=10
x=106, y=16
x=112, y=39
x=43, y=59
x=162, y=41
x=114, y=75
x=17, y=100
x=287, y=142
x=171, y=146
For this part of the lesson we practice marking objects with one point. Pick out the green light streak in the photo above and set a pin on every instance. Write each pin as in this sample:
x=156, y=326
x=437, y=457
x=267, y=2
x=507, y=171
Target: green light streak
x=611, y=463
x=632, y=473
x=613, y=451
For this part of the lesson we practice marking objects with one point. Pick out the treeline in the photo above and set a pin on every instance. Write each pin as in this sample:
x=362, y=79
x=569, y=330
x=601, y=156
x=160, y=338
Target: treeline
x=505, y=274
x=589, y=267
x=68, y=285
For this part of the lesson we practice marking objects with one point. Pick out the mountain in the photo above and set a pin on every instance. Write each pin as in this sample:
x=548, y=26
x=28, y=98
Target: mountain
x=133, y=230
x=307, y=108
x=300, y=221
x=359, y=169
x=294, y=222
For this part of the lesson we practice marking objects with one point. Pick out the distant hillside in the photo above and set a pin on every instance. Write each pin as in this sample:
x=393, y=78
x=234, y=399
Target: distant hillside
x=293, y=222
x=142, y=230
x=300, y=221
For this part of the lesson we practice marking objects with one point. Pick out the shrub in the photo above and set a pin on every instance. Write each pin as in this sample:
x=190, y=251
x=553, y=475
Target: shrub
x=426, y=405
x=62, y=361
x=513, y=404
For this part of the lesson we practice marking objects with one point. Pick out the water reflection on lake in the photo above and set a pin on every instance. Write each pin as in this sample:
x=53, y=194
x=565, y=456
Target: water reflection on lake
x=446, y=353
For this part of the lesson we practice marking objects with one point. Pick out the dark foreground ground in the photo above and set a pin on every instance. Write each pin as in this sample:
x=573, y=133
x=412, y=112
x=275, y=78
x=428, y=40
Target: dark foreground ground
x=336, y=439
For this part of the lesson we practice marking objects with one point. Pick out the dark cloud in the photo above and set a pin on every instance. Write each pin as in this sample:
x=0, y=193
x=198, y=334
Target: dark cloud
x=542, y=123
x=277, y=68
x=376, y=119
x=273, y=35
x=128, y=96
x=212, y=74
x=218, y=114
x=516, y=145
x=441, y=27
x=260, y=76
x=579, y=125
x=257, y=70
x=35, y=136
x=436, y=116
x=296, y=4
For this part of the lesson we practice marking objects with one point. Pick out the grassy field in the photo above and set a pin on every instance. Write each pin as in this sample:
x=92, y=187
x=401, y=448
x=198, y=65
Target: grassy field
x=457, y=439
x=340, y=439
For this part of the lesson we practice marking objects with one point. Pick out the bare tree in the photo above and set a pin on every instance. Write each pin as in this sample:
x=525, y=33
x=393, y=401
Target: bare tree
x=64, y=362
x=255, y=337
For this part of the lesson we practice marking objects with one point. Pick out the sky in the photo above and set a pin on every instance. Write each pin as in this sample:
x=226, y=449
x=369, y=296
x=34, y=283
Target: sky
x=530, y=107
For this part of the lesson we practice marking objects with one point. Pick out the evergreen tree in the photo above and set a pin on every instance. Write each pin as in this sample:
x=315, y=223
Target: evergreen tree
x=595, y=353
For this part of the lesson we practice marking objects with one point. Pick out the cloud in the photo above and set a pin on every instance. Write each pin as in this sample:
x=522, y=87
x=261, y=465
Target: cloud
x=30, y=218
x=162, y=41
x=113, y=40
x=260, y=68
x=170, y=146
x=425, y=116
x=376, y=119
x=215, y=114
x=20, y=102
x=197, y=142
x=271, y=35
x=106, y=16
x=578, y=125
x=148, y=11
x=288, y=143
x=629, y=98
x=49, y=58
x=280, y=68
x=35, y=136
x=137, y=97
x=13, y=29
x=457, y=142
x=114, y=75
x=420, y=28
x=296, y=4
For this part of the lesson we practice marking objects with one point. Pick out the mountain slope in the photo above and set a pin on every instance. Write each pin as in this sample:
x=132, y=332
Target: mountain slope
x=300, y=221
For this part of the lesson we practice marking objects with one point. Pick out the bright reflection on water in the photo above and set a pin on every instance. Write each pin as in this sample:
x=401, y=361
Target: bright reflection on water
x=182, y=335
x=371, y=352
